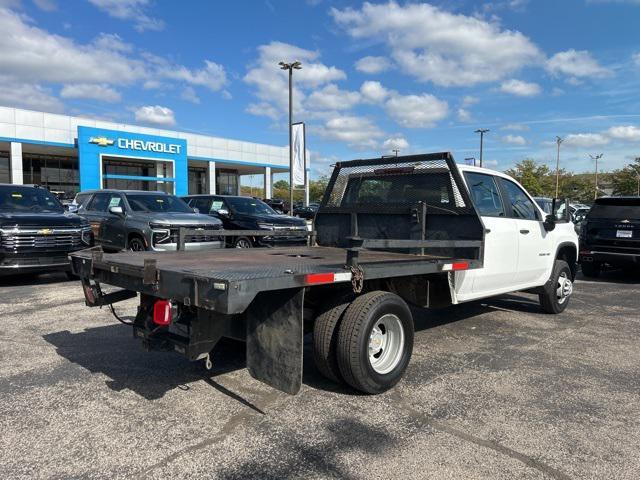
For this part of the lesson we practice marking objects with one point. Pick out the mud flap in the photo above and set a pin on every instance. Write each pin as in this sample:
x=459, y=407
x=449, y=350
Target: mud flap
x=275, y=339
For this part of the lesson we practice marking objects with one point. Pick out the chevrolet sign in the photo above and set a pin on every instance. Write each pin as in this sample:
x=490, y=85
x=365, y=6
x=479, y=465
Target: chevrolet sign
x=147, y=146
x=101, y=141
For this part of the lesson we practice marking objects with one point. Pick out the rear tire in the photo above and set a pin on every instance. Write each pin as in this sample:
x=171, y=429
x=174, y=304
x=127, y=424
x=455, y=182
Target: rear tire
x=590, y=269
x=325, y=341
x=375, y=341
x=558, y=292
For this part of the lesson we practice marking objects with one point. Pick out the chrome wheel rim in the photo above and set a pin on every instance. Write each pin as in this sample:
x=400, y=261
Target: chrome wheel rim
x=136, y=246
x=243, y=243
x=564, y=288
x=386, y=344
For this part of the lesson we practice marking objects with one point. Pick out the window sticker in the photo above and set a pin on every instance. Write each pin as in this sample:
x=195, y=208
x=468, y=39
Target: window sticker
x=16, y=195
x=216, y=205
x=160, y=200
x=114, y=202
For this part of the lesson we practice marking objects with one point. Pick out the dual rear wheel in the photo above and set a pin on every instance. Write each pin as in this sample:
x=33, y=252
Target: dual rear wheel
x=366, y=343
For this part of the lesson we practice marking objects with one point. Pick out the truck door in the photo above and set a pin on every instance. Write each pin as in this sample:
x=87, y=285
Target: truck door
x=534, y=242
x=95, y=212
x=501, y=237
x=113, y=225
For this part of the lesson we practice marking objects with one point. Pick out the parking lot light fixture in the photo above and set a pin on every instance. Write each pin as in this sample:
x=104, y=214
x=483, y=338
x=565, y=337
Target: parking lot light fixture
x=558, y=142
x=596, y=158
x=290, y=67
x=481, y=131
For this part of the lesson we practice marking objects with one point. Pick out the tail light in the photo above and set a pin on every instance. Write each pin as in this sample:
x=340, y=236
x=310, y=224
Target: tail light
x=162, y=313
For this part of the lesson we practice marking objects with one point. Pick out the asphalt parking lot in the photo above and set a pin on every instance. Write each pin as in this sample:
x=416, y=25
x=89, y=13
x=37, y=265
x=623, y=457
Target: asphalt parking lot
x=495, y=390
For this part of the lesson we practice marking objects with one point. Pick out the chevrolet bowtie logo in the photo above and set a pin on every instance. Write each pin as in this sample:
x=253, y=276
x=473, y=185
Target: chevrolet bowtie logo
x=45, y=231
x=102, y=141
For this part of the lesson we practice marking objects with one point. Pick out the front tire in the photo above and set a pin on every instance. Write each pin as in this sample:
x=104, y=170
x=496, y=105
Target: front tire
x=375, y=342
x=243, y=242
x=136, y=244
x=558, y=292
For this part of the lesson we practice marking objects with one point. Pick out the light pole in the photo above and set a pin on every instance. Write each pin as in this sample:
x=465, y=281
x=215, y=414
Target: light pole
x=596, y=158
x=396, y=151
x=290, y=67
x=481, y=131
x=558, y=141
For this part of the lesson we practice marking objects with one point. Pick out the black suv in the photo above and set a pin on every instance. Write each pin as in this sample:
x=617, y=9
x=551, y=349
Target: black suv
x=248, y=213
x=610, y=234
x=138, y=220
x=35, y=232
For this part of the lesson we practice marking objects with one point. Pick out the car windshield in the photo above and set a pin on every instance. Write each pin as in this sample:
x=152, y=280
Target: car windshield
x=249, y=206
x=146, y=202
x=616, y=208
x=28, y=199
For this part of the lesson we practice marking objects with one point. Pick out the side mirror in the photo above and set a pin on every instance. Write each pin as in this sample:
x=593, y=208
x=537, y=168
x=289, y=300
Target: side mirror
x=72, y=208
x=223, y=212
x=196, y=210
x=116, y=211
x=549, y=223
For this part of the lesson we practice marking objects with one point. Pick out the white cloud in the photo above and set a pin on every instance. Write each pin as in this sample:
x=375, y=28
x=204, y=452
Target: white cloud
x=434, y=45
x=357, y=132
x=629, y=133
x=515, y=126
x=395, y=143
x=464, y=115
x=189, y=94
x=113, y=42
x=46, y=5
x=24, y=95
x=635, y=58
x=373, y=65
x=133, y=10
x=211, y=76
x=416, y=111
x=373, y=92
x=586, y=140
x=469, y=100
x=271, y=83
x=514, y=140
x=576, y=63
x=263, y=109
x=330, y=97
x=155, y=115
x=100, y=92
x=520, y=88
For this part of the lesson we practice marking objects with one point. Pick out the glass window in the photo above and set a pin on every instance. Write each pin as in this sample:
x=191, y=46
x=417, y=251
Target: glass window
x=58, y=173
x=520, y=204
x=5, y=168
x=249, y=206
x=146, y=202
x=99, y=202
x=14, y=198
x=202, y=204
x=485, y=194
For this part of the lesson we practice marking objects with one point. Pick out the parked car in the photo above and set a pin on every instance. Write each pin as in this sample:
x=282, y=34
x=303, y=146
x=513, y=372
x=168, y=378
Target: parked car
x=610, y=235
x=35, y=232
x=137, y=220
x=79, y=200
x=248, y=213
x=307, y=212
x=280, y=206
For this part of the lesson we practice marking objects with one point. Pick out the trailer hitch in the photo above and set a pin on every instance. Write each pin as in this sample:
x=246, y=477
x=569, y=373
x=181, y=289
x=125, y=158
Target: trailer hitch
x=95, y=297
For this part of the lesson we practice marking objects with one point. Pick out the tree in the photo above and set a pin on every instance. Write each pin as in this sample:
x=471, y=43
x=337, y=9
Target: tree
x=317, y=188
x=626, y=181
x=534, y=177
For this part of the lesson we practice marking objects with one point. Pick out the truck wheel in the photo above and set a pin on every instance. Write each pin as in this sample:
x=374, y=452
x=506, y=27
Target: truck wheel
x=590, y=269
x=375, y=341
x=557, y=294
x=325, y=341
x=243, y=242
x=136, y=244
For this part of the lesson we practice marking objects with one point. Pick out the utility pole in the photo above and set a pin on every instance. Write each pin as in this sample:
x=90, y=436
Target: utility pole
x=396, y=151
x=558, y=141
x=481, y=131
x=638, y=176
x=290, y=67
x=596, y=158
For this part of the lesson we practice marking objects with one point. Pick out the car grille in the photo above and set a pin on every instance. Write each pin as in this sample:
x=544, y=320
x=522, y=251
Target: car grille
x=40, y=238
x=207, y=235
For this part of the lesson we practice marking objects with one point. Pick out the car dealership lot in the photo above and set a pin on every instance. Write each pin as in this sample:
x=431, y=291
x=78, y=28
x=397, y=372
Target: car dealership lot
x=495, y=390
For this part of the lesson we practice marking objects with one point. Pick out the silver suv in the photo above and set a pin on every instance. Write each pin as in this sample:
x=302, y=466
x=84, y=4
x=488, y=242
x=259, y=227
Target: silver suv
x=138, y=220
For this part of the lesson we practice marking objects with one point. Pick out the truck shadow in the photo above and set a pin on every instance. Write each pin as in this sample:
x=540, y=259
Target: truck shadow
x=112, y=351
x=613, y=276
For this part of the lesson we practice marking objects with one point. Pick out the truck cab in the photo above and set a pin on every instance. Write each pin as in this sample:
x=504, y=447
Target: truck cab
x=522, y=241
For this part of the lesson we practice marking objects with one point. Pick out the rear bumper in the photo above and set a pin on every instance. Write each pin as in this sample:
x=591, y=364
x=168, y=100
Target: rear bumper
x=612, y=258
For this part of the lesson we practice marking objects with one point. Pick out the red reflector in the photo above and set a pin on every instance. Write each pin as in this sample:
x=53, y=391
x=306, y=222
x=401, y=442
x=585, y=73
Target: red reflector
x=162, y=312
x=320, y=278
x=459, y=266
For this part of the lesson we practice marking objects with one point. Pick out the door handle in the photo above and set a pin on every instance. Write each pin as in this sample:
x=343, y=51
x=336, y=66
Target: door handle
x=487, y=230
x=524, y=232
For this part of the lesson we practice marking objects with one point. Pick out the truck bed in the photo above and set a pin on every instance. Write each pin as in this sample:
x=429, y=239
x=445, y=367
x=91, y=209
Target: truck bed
x=227, y=280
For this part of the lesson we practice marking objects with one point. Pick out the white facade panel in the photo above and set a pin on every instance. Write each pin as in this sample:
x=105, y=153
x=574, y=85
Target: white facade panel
x=249, y=147
x=220, y=143
x=29, y=118
x=30, y=133
x=202, y=141
x=75, y=122
x=234, y=145
x=59, y=136
x=7, y=130
x=58, y=122
x=7, y=115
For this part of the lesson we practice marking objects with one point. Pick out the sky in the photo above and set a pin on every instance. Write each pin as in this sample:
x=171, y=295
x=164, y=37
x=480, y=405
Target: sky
x=375, y=77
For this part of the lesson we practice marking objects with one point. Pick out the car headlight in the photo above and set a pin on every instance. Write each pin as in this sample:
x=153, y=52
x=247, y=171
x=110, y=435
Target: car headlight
x=86, y=235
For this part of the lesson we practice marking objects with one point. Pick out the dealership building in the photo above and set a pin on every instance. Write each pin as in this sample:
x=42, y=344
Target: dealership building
x=71, y=154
